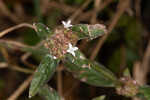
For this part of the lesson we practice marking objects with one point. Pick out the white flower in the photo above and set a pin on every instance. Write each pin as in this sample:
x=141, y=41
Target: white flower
x=71, y=49
x=67, y=24
x=54, y=57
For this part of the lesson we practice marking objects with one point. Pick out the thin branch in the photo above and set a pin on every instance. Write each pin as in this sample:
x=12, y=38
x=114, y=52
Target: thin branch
x=121, y=8
x=14, y=28
x=15, y=67
x=21, y=89
x=74, y=86
x=80, y=10
x=63, y=7
x=138, y=75
x=24, y=60
x=21, y=69
x=9, y=63
x=60, y=81
x=18, y=45
x=146, y=59
x=25, y=56
x=97, y=4
x=122, y=60
x=141, y=69
x=14, y=44
x=5, y=11
x=90, y=13
x=138, y=8
x=103, y=5
x=3, y=65
x=99, y=9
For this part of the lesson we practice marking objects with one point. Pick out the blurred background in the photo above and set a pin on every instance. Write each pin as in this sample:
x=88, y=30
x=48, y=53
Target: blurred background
x=126, y=45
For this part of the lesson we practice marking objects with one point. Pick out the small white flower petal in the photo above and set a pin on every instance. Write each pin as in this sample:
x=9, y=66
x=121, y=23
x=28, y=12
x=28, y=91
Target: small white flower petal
x=72, y=49
x=70, y=45
x=67, y=24
x=64, y=23
x=75, y=48
x=73, y=53
x=54, y=57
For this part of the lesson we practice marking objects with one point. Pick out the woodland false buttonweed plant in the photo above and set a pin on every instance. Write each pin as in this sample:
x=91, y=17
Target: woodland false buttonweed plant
x=60, y=46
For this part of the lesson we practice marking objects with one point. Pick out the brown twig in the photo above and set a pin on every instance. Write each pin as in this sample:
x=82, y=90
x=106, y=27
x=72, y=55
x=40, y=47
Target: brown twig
x=4, y=53
x=13, y=66
x=138, y=75
x=89, y=13
x=19, y=10
x=14, y=44
x=17, y=45
x=145, y=61
x=60, y=80
x=103, y=5
x=123, y=60
x=14, y=28
x=141, y=69
x=20, y=69
x=121, y=8
x=80, y=10
x=3, y=65
x=75, y=85
x=5, y=11
x=25, y=56
x=98, y=10
x=21, y=89
x=97, y=4
x=63, y=7
x=138, y=8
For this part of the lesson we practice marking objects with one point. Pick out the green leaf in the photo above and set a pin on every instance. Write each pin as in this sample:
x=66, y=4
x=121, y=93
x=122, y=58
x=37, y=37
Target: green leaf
x=141, y=96
x=43, y=74
x=100, y=98
x=126, y=73
x=48, y=93
x=37, y=51
x=30, y=37
x=145, y=90
x=88, y=71
x=88, y=31
x=42, y=30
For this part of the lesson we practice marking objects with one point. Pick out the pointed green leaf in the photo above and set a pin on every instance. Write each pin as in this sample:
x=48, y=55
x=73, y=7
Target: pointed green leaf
x=126, y=73
x=48, y=93
x=41, y=50
x=140, y=96
x=42, y=30
x=88, y=71
x=88, y=31
x=145, y=90
x=43, y=73
x=100, y=98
